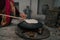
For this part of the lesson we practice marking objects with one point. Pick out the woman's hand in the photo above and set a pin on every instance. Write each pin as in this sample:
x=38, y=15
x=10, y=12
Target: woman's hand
x=23, y=15
x=3, y=24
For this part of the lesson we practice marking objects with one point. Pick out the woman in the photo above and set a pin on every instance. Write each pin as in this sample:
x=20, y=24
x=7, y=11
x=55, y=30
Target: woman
x=9, y=8
x=2, y=5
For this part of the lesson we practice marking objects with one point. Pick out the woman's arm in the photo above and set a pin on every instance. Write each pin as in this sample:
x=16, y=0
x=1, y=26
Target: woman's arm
x=12, y=8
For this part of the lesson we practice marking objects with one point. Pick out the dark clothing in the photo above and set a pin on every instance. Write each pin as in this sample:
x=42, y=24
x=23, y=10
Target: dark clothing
x=28, y=13
x=17, y=12
x=2, y=4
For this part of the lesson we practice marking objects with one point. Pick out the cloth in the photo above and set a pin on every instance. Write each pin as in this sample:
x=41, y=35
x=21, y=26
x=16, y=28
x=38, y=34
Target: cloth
x=2, y=5
x=5, y=4
x=8, y=11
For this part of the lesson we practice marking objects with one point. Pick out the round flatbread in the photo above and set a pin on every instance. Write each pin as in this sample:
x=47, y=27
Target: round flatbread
x=31, y=20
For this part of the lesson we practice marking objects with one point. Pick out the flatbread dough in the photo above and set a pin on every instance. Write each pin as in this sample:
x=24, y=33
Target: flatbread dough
x=31, y=21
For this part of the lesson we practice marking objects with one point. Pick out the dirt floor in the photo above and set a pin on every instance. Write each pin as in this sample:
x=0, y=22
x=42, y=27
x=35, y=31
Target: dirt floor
x=8, y=33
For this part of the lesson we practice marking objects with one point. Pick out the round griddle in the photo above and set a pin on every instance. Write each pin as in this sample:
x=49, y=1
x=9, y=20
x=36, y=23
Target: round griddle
x=30, y=26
